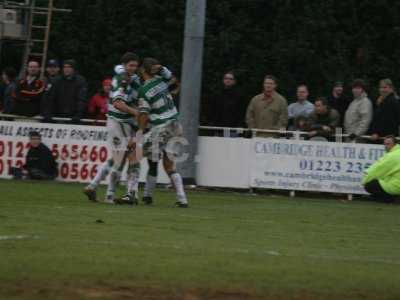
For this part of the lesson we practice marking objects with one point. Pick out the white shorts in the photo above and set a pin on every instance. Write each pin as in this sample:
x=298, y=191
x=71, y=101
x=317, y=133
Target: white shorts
x=163, y=139
x=119, y=134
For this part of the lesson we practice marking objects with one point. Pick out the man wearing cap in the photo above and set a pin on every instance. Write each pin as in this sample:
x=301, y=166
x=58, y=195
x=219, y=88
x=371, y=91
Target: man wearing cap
x=68, y=95
x=338, y=100
x=52, y=75
x=358, y=116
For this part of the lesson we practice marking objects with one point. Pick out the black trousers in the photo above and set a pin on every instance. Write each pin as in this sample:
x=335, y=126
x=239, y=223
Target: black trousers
x=38, y=174
x=377, y=192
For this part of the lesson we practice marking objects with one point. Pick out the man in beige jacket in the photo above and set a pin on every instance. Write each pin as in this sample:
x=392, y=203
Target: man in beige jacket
x=268, y=110
x=359, y=115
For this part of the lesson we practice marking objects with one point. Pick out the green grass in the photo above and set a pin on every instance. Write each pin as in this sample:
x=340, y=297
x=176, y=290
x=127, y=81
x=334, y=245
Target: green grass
x=226, y=246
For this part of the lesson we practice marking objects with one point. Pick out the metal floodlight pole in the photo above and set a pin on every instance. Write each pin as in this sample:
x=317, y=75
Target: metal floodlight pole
x=191, y=83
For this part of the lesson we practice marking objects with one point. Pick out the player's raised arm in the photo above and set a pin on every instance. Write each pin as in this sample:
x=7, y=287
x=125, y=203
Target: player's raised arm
x=166, y=74
x=163, y=72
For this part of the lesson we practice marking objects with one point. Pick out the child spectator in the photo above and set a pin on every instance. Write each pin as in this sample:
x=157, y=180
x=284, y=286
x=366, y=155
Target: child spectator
x=40, y=163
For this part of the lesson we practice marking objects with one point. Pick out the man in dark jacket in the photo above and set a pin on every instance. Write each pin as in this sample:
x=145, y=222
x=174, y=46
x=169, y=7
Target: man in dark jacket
x=228, y=107
x=323, y=120
x=386, y=119
x=338, y=101
x=40, y=163
x=68, y=95
x=9, y=76
x=29, y=92
x=52, y=75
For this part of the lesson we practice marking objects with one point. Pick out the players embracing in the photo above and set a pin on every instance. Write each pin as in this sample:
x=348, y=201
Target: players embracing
x=141, y=113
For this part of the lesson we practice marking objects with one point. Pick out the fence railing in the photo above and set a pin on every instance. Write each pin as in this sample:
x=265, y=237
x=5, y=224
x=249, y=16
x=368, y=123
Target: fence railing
x=254, y=131
x=57, y=119
x=239, y=130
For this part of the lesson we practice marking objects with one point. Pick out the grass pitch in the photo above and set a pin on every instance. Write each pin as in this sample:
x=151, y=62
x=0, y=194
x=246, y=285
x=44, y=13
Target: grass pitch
x=54, y=244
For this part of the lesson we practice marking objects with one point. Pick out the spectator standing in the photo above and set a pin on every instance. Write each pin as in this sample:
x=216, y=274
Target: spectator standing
x=228, y=107
x=382, y=179
x=358, y=116
x=98, y=103
x=9, y=76
x=338, y=101
x=323, y=120
x=386, y=118
x=29, y=92
x=2, y=89
x=52, y=75
x=302, y=107
x=267, y=110
x=68, y=95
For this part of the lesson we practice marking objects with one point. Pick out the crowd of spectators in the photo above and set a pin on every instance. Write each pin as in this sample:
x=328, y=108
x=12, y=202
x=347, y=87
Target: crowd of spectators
x=356, y=115
x=63, y=93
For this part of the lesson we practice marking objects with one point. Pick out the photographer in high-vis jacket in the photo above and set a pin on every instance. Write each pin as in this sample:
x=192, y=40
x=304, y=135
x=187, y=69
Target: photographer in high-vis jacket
x=382, y=179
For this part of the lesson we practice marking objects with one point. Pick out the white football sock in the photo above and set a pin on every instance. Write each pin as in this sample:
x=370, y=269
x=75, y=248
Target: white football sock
x=178, y=184
x=101, y=174
x=132, y=181
x=113, y=182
